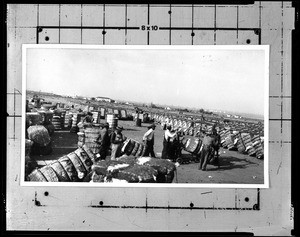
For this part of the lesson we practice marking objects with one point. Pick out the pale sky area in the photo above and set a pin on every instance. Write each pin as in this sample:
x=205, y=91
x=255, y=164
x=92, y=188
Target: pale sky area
x=231, y=80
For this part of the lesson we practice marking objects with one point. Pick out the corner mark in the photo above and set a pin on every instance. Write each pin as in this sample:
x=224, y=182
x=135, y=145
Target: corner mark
x=17, y=91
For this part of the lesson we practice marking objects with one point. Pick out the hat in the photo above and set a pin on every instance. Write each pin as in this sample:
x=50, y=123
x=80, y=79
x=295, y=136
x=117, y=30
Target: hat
x=106, y=125
x=119, y=128
x=152, y=126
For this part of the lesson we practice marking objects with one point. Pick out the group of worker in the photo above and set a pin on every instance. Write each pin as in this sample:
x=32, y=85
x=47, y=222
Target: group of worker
x=171, y=142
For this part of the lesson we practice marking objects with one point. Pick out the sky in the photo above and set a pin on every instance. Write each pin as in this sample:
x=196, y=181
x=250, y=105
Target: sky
x=230, y=80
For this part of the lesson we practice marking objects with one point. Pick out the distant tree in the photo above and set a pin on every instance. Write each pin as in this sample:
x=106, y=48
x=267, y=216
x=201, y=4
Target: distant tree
x=152, y=105
x=201, y=110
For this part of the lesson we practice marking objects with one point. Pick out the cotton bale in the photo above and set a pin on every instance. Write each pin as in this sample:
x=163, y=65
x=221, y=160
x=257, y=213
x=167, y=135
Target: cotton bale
x=39, y=134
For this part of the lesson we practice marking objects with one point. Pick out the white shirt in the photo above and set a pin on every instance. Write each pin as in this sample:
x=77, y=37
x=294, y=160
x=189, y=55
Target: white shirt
x=168, y=134
x=148, y=135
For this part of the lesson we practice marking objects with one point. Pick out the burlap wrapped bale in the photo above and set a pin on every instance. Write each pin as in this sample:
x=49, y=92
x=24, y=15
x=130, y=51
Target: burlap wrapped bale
x=136, y=174
x=81, y=139
x=91, y=133
x=37, y=176
x=60, y=171
x=72, y=167
x=79, y=166
x=135, y=149
x=125, y=145
x=110, y=169
x=56, y=122
x=164, y=167
x=127, y=159
x=130, y=147
x=33, y=118
x=192, y=145
x=85, y=158
x=140, y=150
x=39, y=134
x=49, y=173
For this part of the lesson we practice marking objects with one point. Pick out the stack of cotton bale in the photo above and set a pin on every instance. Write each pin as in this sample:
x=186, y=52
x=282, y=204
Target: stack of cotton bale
x=129, y=169
x=47, y=117
x=42, y=144
x=73, y=167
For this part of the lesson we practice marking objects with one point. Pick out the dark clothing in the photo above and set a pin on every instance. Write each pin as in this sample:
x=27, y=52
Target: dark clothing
x=149, y=148
x=104, y=141
x=210, y=144
x=116, y=144
x=166, y=149
x=204, y=156
x=175, y=149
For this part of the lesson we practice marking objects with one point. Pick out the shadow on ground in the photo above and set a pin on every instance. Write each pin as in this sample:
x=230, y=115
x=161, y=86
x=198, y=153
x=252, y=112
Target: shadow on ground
x=229, y=162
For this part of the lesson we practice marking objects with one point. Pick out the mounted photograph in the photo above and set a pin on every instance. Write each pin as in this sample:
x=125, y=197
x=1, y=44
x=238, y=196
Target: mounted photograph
x=145, y=116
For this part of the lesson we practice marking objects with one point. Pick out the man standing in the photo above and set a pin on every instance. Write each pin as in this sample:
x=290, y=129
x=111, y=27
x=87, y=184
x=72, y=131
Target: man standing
x=116, y=140
x=148, y=140
x=210, y=144
x=104, y=141
x=167, y=143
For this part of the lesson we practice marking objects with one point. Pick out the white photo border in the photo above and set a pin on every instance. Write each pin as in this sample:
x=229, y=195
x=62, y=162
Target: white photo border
x=266, y=49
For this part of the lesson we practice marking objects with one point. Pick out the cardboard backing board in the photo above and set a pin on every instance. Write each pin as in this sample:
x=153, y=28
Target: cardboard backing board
x=259, y=211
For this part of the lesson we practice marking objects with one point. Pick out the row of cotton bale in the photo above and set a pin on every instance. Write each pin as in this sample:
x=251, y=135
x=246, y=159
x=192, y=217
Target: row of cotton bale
x=73, y=167
x=102, y=112
x=243, y=140
x=82, y=166
x=186, y=126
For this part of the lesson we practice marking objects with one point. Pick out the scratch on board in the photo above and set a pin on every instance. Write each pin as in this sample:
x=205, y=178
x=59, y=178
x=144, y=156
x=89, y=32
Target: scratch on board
x=107, y=219
x=206, y=192
x=133, y=222
x=279, y=166
x=16, y=178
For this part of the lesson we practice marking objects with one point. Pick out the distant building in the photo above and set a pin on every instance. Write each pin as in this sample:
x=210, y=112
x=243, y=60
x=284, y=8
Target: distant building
x=78, y=97
x=106, y=99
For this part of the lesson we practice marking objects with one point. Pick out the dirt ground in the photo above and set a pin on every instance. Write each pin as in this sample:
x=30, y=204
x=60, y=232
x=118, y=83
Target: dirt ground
x=234, y=167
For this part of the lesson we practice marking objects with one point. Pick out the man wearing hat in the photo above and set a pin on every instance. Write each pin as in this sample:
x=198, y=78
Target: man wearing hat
x=167, y=143
x=116, y=141
x=104, y=141
x=148, y=139
x=88, y=118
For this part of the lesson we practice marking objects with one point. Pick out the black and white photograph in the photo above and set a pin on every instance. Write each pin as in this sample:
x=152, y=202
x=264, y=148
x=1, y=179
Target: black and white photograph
x=150, y=117
x=159, y=115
